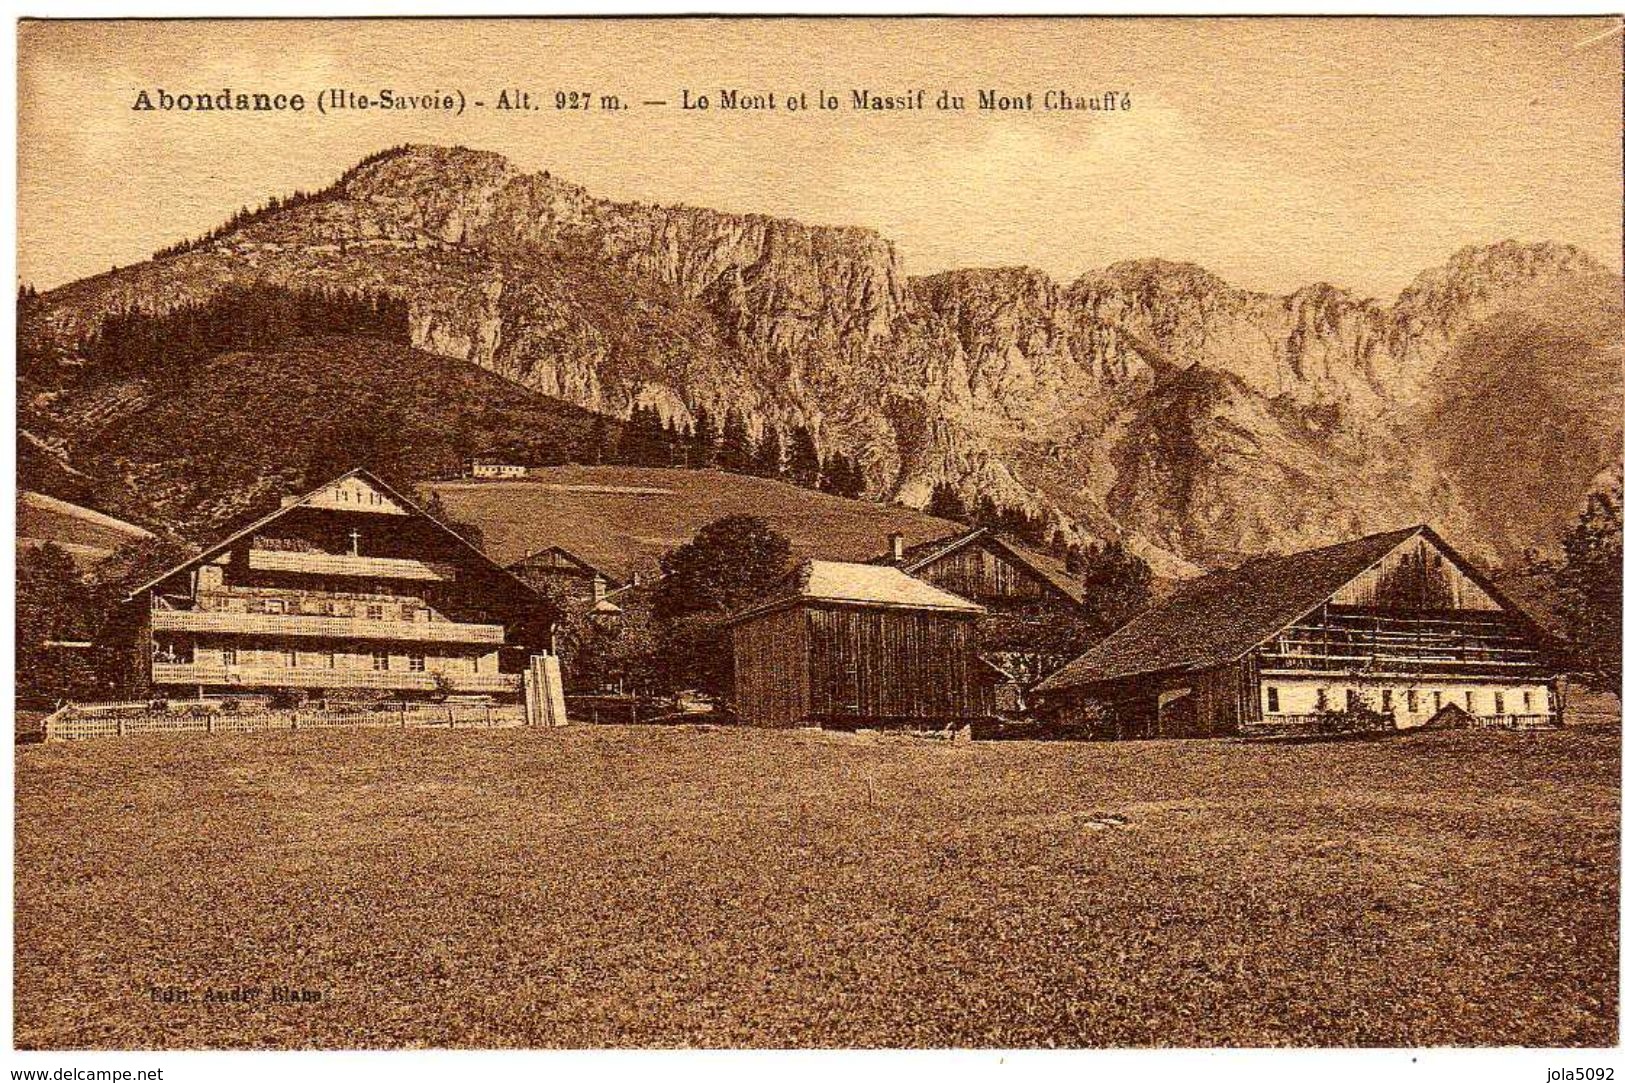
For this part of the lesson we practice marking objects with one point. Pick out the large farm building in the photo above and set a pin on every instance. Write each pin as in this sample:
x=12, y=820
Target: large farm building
x=1397, y=624
x=350, y=588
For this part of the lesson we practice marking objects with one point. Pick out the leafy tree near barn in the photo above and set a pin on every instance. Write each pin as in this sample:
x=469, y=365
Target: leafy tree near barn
x=54, y=604
x=1588, y=586
x=1116, y=587
x=57, y=603
x=731, y=562
x=599, y=651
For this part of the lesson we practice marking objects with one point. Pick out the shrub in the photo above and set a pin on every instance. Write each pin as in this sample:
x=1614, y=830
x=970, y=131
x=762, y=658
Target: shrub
x=287, y=699
x=1358, y=717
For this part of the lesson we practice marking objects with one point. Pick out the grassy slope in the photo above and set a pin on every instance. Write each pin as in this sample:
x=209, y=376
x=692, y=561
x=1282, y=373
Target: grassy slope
x=620, y=531
x=668, y=887
x=82, y=533
x=239, y=432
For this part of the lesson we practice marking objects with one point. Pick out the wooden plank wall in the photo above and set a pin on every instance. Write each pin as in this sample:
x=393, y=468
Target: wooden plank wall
x=1226, y=697
x=1416, y=575
x=770, y=668
x=894, y=664
x=976, y=572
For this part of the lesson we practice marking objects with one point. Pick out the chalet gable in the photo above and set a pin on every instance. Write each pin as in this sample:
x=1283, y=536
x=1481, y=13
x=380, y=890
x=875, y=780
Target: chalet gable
x=557, y=560
x=355, y=491
x=1222, y=616
x=953, y=563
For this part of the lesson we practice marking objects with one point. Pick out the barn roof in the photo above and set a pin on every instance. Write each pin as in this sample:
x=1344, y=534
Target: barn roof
x=839, y=583
x=1040, y=565
x=1225, y=614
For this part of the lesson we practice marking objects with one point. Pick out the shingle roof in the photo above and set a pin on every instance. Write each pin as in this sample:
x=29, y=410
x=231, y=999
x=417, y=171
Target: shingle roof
x=841, y=583
x=1222, y=616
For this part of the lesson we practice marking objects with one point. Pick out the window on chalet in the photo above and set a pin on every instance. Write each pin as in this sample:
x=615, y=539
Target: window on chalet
x=332, y=660
x=1468, y=698
x=228, y=656
x=1320, y=699
x=1272, y=700
x=1438, y=699
x=415, y=663
x=380, y=660
x=275, y=605
x=290, y=659
x=375, y=612
x=1349, y=699
x=1528, y=700
x=1500, y=704
x=1387, y=699
x=1410, y=700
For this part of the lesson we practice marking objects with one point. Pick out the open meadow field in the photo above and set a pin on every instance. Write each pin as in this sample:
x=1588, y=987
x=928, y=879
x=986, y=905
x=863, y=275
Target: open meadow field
x=678, y=886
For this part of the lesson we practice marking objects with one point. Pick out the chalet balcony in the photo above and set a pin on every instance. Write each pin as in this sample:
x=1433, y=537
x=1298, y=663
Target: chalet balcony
x=312, y=677
x=340, y=564
x=1522, y=666
x=281, y=624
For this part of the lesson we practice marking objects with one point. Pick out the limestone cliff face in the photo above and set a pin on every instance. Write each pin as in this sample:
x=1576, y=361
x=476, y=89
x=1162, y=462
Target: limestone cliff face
x=1150, y=398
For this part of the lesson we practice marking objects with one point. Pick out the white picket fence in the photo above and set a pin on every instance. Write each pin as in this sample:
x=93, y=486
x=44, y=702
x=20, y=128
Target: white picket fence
x=77, y=721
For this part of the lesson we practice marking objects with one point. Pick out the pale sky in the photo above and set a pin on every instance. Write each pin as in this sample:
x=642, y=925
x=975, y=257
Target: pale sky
x=1275, y=153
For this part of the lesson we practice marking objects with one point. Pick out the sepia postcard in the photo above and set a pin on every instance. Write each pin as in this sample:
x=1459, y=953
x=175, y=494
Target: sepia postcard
x=818, y=533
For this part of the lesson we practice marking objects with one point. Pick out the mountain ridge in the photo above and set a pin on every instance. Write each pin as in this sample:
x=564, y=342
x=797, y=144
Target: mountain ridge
x=1087, y=400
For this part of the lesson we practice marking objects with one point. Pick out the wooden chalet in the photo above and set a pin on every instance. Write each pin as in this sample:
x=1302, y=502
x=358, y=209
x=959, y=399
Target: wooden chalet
x=985, y=566
x=349, y=588
x=850, y=645
x=1028, y=595
x=1396, y=623
x=555, y=568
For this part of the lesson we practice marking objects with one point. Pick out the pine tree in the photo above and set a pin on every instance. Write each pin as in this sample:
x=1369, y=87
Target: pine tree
x=704, y=439
x=737, y=452
x=770, y=454
x=600, y=447
x=803, y=466
x=1588, y=586
x=843, y=476
x=946, y=503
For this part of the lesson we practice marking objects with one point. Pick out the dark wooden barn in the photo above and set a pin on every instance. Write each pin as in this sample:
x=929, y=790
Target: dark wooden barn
x=988, y=568
x=858, y=645
x=1396, y=624
x=1034, y=605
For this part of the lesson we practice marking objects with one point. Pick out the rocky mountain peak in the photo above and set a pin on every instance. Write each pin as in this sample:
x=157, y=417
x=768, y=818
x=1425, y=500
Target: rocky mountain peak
x=1150, y=398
